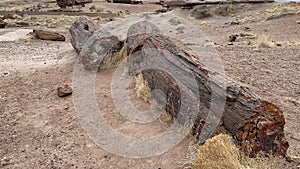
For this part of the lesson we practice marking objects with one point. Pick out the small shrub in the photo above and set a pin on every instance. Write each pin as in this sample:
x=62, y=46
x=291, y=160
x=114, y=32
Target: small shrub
x=218, y=152
x=201, y=12
x=264, y=42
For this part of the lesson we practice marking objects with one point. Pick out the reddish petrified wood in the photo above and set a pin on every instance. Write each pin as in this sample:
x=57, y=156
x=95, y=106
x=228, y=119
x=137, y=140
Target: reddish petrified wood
x=255, y=123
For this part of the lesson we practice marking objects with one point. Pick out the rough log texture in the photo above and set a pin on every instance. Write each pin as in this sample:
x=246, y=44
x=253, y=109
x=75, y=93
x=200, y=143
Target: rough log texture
x=255, y=123
x=93, y=43
x=99, y=48
x=81, y=31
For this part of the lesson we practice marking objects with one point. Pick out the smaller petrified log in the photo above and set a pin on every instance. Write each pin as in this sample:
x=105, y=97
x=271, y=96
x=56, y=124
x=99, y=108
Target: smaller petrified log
x=65, y=3
x=48, y=35
x=93, y=43
x=81, y=31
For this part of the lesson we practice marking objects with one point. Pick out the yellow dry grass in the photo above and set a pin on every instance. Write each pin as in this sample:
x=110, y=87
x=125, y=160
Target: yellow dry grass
x=276, y=11
x=114, y=60
x=142, y=88
x=264, y=42
x=220, y=152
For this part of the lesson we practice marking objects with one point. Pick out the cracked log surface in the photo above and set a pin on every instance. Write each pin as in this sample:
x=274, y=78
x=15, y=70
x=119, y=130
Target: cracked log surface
x=93, y=43
x=255, y=123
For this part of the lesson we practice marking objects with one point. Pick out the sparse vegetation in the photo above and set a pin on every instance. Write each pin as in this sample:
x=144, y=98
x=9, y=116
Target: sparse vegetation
x=142, y=87
x=115, y=59
x=220, y=152
x=264, y=42
x=277, y=11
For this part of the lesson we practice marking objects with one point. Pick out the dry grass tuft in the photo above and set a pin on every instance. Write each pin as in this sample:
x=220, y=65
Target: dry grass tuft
x=264, y=42
x=142, y=88
x=271, y=162
x=115, y=59
x=218, y=152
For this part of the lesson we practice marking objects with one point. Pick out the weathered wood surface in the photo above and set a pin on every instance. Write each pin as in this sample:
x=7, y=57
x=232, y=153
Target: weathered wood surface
x=93, y=43
x=81, y=31
x=254, y=122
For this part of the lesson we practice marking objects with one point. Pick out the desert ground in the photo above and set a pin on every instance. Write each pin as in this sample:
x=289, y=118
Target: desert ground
x=38, y=129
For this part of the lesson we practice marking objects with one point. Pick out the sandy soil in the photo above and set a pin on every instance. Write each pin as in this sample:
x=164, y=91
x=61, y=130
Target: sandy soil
x=40, y=130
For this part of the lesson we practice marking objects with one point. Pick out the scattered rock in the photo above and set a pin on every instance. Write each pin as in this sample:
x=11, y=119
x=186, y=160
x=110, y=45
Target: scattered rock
x=2, y=24
x=22, y=24
x=236, y=22
x=232, y=38
x=64, y=90
x=278, y=44
x=161, y=11
x=9, y=16
x=298, y=22
x=247, y=29
x=48, y=35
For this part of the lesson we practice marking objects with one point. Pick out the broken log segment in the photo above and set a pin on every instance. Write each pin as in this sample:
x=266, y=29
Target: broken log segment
x=256, y=124
x=81, y=31
x=48, y=35
x=93, y=43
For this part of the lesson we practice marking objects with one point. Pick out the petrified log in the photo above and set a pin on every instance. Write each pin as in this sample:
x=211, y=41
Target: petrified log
x=93, y=43
x=81, y=31
x=48, y=35
x=65, y=3
x=256, y=124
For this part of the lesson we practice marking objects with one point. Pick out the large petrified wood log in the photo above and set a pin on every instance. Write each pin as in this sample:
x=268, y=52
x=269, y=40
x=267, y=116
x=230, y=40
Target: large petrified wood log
x=256, y=124
x=93, y=43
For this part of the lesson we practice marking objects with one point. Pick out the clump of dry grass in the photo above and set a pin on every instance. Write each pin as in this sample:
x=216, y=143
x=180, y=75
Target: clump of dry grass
x=115, y=59
x=142, y=88
x=264, y=42
x=270, y=162
x=218, y=152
